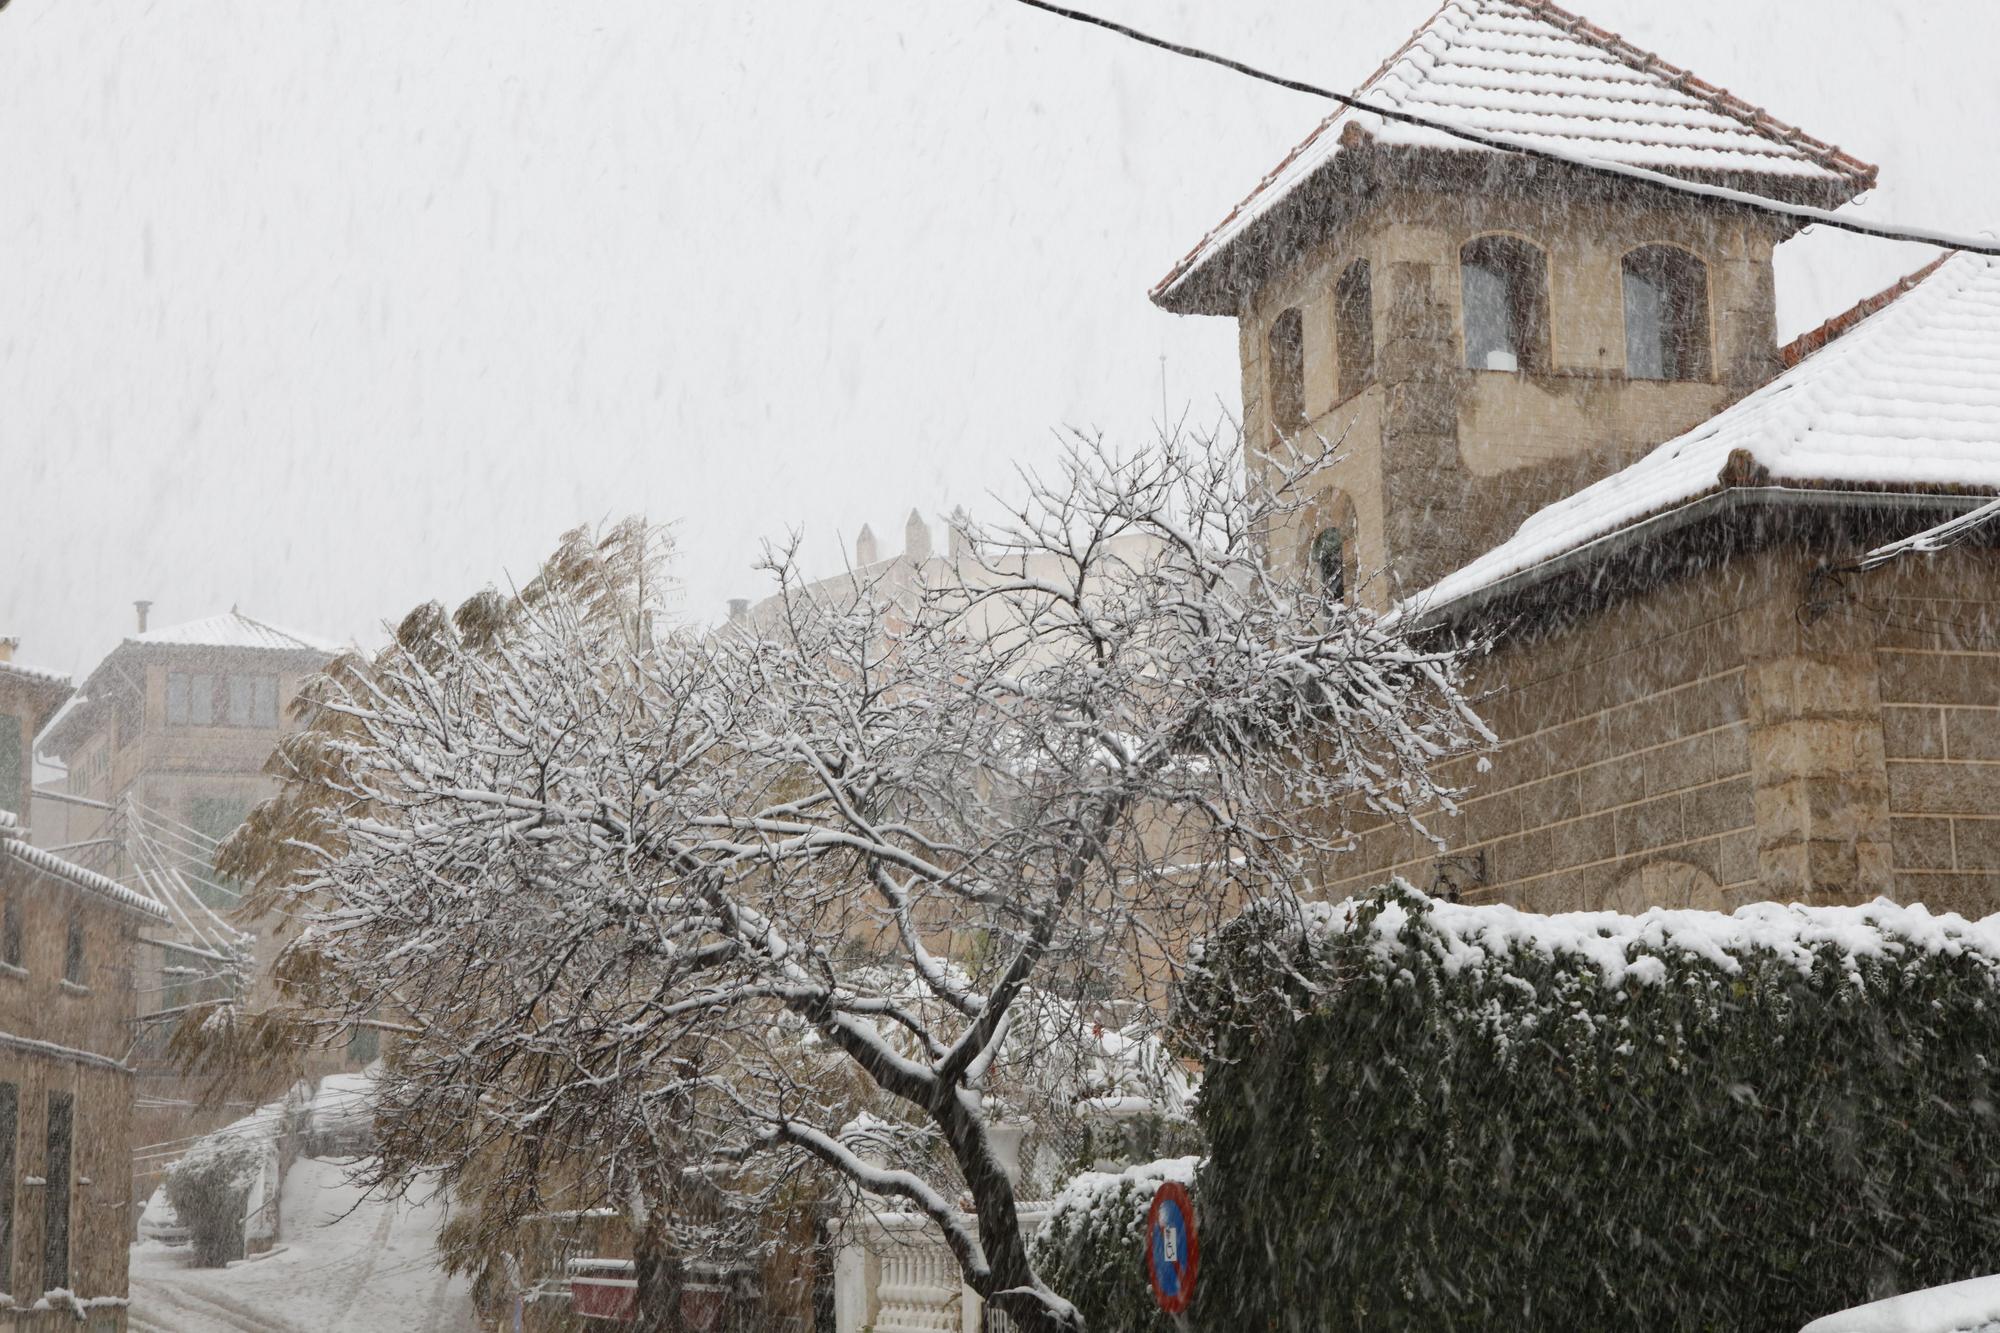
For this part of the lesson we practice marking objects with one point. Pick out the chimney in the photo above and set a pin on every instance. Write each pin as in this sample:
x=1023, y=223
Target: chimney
x=866, y=552
x=916, y=539
x=7, y=647
x=142, y=607
x=739, y=607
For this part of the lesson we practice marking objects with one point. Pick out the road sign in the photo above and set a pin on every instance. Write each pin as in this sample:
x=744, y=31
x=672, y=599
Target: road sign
x=1172, y=1250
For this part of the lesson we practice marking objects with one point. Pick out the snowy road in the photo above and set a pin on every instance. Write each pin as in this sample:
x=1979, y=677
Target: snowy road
x=369, y=1270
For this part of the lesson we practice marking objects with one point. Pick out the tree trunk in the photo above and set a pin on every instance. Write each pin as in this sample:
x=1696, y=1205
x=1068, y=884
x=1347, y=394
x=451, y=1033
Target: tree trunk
x=662, y=1278
x=1008, y=1267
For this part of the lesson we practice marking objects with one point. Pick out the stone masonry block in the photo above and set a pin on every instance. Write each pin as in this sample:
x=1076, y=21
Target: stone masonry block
x=1550, y=801
x=1819, y=747
x=1940, y=678
x=1654, y=823
x=1619, y=782
x=1912, y=733
x=1977, y=842
x=1917, y=788
x=1970, y=894
x=1720, y=808
x=1972, y=733
x=1921, y=844
x=1685, y=763
x=1717, y=702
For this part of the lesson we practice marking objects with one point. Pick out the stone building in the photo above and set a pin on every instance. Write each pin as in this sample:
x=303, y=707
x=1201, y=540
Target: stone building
x=165, y=747
x=1568, y=431
x=68, y=937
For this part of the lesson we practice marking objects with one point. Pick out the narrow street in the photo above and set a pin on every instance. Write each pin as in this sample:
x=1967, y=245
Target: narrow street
x=341, y=1268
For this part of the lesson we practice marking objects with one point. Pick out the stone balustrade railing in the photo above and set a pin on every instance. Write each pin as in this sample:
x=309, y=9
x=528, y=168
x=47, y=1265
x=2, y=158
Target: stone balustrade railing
x=897, y=1276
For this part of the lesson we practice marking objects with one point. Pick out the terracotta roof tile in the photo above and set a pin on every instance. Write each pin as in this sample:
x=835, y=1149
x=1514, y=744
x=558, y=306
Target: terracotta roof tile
x=1536, y=73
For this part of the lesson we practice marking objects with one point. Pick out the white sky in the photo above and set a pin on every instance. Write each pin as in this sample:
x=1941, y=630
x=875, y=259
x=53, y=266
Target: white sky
x=327, y=308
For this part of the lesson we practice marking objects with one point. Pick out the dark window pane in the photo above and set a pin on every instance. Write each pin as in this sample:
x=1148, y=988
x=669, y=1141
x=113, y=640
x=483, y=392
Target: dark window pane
x=12, y=763
x=177, y=698
x=1354, y=328
x=242, y=695
x=1288, y=372
x=10, y=934
x=10, y=1114
x=1489, y=325
x=201, y=700
x=55, y=1218
x=1329, y=559
x=1666, y=315
x=73, y=954
x=265, y=714
x=1503, y=292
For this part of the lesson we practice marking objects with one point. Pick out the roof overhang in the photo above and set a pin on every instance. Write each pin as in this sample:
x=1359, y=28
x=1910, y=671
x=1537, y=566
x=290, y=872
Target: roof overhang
x=1606, y=567
x=1222, y=281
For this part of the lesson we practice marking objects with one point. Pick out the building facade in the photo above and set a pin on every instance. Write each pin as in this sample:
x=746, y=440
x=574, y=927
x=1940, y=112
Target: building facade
x=166, y=748
x=68, y=938
x=1568, y=437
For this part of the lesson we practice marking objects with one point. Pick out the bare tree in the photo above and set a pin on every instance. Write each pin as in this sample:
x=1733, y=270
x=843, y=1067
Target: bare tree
x=675, y=909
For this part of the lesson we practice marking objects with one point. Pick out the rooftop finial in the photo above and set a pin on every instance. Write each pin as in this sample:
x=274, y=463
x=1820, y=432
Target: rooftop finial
x=916, y=539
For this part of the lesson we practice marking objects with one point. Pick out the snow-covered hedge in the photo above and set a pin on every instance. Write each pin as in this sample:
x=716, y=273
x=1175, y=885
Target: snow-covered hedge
x=1438, y=1117
x=1091, y=1247
x=207, y=1189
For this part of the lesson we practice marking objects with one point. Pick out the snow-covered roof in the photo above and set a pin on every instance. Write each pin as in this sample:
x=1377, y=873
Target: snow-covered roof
x=1539, y=75
x=39, y=675
x=235, y=630
x=14, y=846
x=1908, y=398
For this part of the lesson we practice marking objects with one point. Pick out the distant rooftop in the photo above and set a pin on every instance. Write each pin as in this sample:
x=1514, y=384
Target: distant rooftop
x=236, y=630
x=1537, y=74
x=13, y=845
x=40, y=675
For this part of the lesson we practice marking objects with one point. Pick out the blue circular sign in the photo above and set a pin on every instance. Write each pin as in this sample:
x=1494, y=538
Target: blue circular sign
x=1173, y=1251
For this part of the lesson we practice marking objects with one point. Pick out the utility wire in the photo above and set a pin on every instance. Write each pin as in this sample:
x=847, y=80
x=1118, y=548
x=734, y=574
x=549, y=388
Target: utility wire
x=1501, y=143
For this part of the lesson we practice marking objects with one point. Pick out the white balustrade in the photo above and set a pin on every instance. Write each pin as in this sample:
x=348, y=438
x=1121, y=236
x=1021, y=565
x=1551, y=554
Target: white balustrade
x=897, y=1275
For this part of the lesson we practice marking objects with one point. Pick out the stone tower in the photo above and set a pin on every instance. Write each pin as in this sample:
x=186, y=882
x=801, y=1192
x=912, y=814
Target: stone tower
x=1481, y=333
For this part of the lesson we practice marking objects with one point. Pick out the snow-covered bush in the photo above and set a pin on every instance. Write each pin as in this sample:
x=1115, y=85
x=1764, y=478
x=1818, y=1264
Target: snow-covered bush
x=1092, y=1245
x=1438, y=1117
x=207, y=1189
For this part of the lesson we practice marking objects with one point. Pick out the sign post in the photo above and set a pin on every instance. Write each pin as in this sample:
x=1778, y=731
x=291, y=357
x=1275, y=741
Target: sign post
x=1173, y=1251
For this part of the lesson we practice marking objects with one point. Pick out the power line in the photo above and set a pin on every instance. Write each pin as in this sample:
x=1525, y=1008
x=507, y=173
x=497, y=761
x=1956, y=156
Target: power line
x=1500, y=143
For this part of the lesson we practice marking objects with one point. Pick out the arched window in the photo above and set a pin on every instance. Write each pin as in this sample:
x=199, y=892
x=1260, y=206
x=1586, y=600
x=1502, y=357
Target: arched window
x=1354, y=328
x=1504, y=288
x=1329, y=562
x=1666, y=315
x=1286, y=348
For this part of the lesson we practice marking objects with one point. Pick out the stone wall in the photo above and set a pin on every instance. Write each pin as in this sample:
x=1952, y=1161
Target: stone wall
x=1936, y=625
x=1748, y=732
x=60, y=1037
x=1625, y=748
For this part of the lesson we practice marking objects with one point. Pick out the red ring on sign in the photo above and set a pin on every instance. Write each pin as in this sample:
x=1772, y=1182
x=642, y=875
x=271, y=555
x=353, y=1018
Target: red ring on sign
x=1175, y=1192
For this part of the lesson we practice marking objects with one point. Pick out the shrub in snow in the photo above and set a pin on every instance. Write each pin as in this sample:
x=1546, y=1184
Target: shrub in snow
x=207, y=1189
x=1437, y=1117
x=1092, y=1245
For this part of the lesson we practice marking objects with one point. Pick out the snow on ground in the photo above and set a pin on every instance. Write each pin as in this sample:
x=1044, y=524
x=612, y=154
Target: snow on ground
x=342, y=1268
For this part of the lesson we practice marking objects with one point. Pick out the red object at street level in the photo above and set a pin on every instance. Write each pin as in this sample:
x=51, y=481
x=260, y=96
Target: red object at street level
x=603, y=1289
x=1173, y=1251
